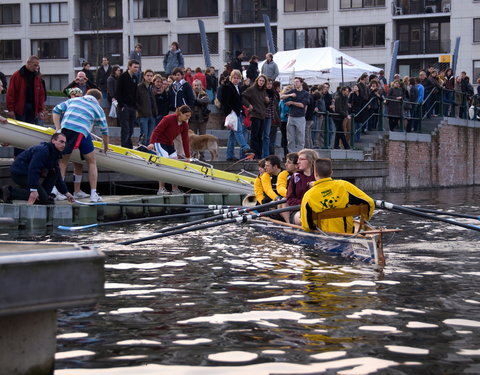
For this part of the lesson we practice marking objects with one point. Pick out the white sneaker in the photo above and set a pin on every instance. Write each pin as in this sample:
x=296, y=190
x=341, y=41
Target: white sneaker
x=60, y=197
x=94, y=197
x=177, y=191
x=162, y=191
x=80, y=195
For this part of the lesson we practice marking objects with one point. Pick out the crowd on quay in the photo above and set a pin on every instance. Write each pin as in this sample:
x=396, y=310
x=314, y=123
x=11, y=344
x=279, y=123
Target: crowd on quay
x=165, y=106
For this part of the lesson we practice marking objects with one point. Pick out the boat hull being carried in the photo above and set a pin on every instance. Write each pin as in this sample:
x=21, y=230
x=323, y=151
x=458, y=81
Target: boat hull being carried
x=136, y=163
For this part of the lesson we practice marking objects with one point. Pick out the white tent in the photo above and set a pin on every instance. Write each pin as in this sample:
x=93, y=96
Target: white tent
x=318, y=65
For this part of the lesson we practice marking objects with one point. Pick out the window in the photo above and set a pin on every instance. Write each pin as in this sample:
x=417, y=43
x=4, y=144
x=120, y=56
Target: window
x=197, y=8
x=476, y=71
x=190, y=44
x=50, y=48
x=153, y=45
x=10, y=50
x=48, y=13
x=362, y=36
x=305, y=5
x=354, y=4
x=476, y=29
x=55, y=82
x=9, y=14
x=305, y=38
x=149, y=9
x=94, y=47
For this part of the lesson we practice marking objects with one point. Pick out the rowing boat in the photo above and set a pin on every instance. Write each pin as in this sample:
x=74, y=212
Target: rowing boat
x=137, y=163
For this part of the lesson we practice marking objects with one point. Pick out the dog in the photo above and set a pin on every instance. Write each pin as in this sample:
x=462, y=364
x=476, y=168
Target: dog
x=200, y=143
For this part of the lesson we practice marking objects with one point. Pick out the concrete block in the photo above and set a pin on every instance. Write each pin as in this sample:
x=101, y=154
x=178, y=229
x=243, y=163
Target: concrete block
x=213, y=198
x=10, y=211
x=134, y=211
x=61, y=215
x=109, y=213
x=154, y=199
x=338, y=154
x=83, y=215
x=33, y=216
x=232, y=199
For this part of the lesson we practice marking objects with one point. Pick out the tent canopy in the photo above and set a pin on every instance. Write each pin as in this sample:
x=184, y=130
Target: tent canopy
x=318, y=65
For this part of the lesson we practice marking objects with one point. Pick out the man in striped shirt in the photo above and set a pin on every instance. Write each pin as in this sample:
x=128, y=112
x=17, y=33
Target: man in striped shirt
x=79, y=116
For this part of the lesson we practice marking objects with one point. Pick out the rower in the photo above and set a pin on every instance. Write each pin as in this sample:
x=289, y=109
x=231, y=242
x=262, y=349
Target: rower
x=269, y=179
x=284, y=178
x=257, y=185
x=326, y=194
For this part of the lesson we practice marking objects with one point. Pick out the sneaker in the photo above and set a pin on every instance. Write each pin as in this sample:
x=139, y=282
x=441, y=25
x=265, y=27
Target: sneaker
x=7, y=194
x=177, y=191
x=60, y=197
x=162, y=191
x=94, y=197
x=80, y=195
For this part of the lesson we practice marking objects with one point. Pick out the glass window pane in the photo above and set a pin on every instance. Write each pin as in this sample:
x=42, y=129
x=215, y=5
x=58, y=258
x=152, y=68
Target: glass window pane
x=476, y=30
x=476, y=70
x=368, y=32
x=322, y=4
x=368, y=3
x=55, y=12
x=434, y=31
x=300, y=38
x=380, y=35
x=322, y=37
x=289, y=40
x=35, y=13
x=300, y=5
x=311, y=4
x=344, y=4
x=356, y=36
x=45, y=13
x=289, y=5
x=345, y=37
x=380, y=3
x=312, y=39
x=356, y=3
x=63, y=12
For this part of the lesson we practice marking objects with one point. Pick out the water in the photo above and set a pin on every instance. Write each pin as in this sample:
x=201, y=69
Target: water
x=232, y=301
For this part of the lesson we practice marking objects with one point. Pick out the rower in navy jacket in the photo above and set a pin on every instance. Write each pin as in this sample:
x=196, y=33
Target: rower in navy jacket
x=36, y=171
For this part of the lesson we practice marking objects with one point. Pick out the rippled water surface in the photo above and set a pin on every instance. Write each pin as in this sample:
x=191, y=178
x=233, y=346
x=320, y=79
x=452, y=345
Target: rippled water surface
x=232, y=301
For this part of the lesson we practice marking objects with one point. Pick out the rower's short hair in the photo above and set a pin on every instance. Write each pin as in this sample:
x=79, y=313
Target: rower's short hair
x=293, y=157
x=323, y=168
x=95, y=93
x=274, y=160
x=55, y=136
x=178, y=70
x=261, y=163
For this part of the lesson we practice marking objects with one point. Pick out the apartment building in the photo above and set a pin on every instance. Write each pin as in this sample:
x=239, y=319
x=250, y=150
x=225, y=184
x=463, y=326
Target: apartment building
x=66, y=33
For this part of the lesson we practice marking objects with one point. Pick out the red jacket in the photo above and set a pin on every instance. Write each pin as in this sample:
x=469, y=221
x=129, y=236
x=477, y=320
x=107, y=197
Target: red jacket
x=201, y=77
x=168, y=129
x=17, y=93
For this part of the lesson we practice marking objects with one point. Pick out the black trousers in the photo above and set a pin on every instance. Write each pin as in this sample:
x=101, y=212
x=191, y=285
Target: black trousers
x=126, y=118
x=256, y=136
x=22, y=191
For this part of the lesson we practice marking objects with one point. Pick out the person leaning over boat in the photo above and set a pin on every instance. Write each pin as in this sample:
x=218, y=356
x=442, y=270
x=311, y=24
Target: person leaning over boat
x=164, y=134
x=301, y=181
x=36, y=171
x=79, y=116
x=257, y=184
x=327, y=193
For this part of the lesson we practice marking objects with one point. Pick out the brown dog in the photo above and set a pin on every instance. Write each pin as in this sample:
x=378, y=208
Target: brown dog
x=199, y=143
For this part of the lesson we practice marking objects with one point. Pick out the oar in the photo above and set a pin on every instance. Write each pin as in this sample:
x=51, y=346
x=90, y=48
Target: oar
x=165, y=205
x=144, y=219
x=237, y=219
x=206, y=219
x=410, y=211
x=445, y=213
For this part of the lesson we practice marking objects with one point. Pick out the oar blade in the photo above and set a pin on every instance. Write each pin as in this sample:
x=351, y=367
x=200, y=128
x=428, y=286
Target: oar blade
x=77, y=228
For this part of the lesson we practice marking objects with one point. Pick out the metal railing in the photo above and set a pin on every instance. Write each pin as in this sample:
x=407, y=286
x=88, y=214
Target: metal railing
x=235, y=17
x=401, y=8
x=411, y=117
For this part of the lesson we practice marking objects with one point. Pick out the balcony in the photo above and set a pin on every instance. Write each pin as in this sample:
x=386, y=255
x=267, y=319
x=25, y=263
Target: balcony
x=422, y=7
x=92, y=24
x=235, y=17
x=421, y=48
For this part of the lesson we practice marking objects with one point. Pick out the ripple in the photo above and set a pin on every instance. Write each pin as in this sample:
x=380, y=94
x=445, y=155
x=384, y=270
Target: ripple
x=407, y=350
x=414, y=324
x=74, y=335
x=245, y=317
x=354, y=283
x=359, y=314
x=379, y=329
x=138, y=342
x=73, y=354
x=192, y=342
x=233, y=356
x=275, y=299
x=130, y=310
x=469, y=352
x=329, y=355
x=462, y=322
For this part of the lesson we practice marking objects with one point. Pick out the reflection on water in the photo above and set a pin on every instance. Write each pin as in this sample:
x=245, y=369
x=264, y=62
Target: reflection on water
x=232, y=301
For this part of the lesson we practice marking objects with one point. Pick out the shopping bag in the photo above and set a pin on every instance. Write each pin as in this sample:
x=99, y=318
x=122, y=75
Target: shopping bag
x=113, y=110
x=231, y=121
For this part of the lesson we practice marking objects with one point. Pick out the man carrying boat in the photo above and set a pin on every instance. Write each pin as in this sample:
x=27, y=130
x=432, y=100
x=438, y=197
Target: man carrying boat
x=79, y=116
x=36, y=171
x=326, y=194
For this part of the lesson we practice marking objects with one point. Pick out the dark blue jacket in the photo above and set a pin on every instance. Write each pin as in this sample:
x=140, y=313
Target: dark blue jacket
x=36, y=162
x=184, y=95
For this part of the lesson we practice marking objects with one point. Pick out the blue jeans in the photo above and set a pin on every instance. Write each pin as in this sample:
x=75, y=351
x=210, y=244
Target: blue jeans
x=267, y=125
x=239, y=137
x=147, y=124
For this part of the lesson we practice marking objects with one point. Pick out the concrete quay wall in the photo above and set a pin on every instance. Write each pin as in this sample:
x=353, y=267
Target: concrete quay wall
x=446, y=158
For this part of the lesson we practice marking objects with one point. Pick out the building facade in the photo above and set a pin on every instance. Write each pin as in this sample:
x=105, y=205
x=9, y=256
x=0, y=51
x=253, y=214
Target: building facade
x=66, y=33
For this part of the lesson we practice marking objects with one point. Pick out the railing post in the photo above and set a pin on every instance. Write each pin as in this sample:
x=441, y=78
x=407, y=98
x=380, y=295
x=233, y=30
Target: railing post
x=353, y=132
x=420, y=117
x=441, y=101
x=326, y=131
x=402, y=108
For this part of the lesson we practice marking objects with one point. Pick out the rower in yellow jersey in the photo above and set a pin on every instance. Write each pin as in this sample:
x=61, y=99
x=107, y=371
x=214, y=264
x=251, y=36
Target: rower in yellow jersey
x=327, y=193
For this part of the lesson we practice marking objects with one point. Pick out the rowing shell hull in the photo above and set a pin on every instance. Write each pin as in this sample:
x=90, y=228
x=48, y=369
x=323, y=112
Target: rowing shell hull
x=136, y=163
x=361, y=249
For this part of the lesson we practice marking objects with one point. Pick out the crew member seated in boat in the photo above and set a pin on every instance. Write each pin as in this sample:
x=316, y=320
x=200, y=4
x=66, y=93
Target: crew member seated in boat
x=301, y=181
x=79, y=116
x=284, y=178
x=270, y=177
x=257, y=184
x=163, y=136
x=36, y=171
x=327, y=193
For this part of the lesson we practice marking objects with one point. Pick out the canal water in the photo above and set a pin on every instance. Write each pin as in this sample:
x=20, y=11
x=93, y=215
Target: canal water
x=232, y=301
